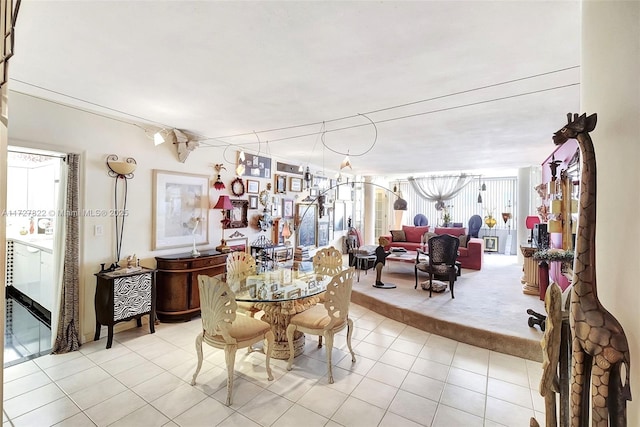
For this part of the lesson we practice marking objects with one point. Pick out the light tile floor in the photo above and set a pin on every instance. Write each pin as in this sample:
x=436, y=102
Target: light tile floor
x=402, y=377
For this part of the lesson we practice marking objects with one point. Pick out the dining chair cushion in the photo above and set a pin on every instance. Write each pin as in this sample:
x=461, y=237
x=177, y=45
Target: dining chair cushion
x=314, y=318
x=243, y=328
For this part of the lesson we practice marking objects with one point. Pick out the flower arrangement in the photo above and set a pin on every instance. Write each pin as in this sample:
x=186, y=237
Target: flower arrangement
x=554, y=254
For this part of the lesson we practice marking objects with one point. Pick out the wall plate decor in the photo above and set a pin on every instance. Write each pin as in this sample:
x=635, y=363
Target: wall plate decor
x=237, y=217
x=263, y=198
x=253, y=186
x=295, y=184
x=307, y=223
x=237, y=187
x=281, y=184
x=180, y=206
x=256, y=166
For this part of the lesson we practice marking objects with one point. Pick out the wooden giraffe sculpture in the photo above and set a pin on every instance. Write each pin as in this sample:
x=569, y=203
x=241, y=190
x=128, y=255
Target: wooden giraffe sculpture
x=600, y=352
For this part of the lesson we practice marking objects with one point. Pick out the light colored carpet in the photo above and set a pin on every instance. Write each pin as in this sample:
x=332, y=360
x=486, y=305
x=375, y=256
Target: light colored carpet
x=489, y=309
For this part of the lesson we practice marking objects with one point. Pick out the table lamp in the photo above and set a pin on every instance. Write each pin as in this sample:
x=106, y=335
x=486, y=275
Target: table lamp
x=224, y=203
x=530, y=223
x=286, y=233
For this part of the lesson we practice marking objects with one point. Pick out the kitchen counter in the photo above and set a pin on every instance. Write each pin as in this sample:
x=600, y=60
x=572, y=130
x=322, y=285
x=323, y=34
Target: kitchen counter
x=42, y=242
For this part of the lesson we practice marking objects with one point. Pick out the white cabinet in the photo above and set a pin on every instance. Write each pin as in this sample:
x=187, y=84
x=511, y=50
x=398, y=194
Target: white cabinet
x=33, y=273
x=46, y=280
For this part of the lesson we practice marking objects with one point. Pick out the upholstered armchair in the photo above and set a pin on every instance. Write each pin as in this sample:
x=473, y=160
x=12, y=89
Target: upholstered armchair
x=443, y=251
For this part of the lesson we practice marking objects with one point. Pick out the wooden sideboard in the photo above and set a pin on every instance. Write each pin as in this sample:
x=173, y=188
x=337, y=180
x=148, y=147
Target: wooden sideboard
x=178, y=298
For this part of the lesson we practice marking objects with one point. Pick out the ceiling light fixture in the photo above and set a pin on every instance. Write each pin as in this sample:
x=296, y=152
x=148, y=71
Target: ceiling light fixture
x=346, y=162
x=158, y=138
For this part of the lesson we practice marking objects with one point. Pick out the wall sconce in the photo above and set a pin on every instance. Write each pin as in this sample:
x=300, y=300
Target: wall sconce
x=218, y=184
x=120, y=169
x=224, y=203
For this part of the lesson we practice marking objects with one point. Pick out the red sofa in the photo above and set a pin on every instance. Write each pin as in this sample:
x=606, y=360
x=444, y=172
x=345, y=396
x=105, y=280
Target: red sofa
x=470, y=256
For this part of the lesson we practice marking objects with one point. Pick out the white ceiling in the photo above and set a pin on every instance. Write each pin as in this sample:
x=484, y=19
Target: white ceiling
x=223, y=68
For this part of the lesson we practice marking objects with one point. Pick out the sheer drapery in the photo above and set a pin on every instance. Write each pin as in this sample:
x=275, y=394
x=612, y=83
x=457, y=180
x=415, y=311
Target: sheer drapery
x=439, y=189
x=67, y=332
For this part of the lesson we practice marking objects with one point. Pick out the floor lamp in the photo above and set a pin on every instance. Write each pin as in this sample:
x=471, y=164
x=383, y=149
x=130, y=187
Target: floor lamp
x=224, y=203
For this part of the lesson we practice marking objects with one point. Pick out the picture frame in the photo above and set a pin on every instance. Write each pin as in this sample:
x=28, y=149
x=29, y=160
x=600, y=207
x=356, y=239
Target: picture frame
x=287, y=208
x=253, y=202
x=323, y=233
x=307, y=223
x=180, y=206
x=253, y=186
x=253, y=290
x=295, y=184
x=490, y=243
x=255, y=166
x=238, y=244
x=338, y=216
x=295, y=293
x=313, y=192
x=280, y=184
x=237, y=217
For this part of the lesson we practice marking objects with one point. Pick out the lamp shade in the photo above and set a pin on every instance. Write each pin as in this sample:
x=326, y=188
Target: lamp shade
x=223, y=203
x=531, y=221
x=286, y=231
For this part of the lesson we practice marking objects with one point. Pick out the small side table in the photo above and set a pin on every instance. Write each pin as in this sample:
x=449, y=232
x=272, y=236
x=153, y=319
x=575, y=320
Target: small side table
x=123, y=295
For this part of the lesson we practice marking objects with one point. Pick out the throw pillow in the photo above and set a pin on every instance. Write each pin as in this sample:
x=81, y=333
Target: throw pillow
x=464, y=239
x=428, y=235
x=398, y=236
x=413, y=234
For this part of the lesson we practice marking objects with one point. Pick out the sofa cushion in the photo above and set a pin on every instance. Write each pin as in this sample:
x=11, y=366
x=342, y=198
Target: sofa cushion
x=464, y=238
x=429, y=235
x=414, y=234
x=398, y=236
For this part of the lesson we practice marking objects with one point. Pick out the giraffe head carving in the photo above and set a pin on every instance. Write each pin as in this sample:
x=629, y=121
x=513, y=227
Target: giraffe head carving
x=575, y=126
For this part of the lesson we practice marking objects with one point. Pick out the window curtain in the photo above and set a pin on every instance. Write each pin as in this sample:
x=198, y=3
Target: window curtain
x=67, y=336
x=440, y=188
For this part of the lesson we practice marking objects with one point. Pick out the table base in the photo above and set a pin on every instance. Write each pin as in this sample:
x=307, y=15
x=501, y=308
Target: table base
x=385, y=286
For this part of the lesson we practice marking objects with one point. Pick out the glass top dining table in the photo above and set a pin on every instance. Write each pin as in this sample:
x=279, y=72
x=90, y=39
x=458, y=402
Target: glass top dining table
x=281, y=284
x=281, y=294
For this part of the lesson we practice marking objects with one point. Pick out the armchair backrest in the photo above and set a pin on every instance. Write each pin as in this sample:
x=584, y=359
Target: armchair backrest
x=443, y=249
x=475, y=223
x=240, y=264
x=327, y=257
x=217, y=307
x=338, y=297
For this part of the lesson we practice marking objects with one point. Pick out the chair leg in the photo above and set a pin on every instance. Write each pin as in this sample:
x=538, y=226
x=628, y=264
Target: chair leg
x=319, y=341
x=270, y=338
x=290, y=331
x=199, y=353
x=416, y=271
x=452, y=281
x=349, y=333
x=430, y=284
x=230, y=359
x=329, y=349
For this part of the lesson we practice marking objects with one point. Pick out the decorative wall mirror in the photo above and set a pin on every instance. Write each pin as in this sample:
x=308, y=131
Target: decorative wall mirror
x=237, y=187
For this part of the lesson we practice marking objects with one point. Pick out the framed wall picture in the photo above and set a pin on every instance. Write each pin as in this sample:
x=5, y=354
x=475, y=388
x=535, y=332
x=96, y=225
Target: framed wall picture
x=180, y=209
x=295, y=184
x=237, y=217
x=239, y=244
x=307, y=223
x=338, y=216
x=323, y=232
x=253, y=202
x=490, y=243
x=287, y=208
x=281, y=184
x=253, y=186
x=256, y=166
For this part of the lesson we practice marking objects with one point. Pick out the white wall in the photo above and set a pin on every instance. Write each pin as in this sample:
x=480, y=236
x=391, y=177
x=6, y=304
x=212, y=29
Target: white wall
x=611, y=88
x=41, y=124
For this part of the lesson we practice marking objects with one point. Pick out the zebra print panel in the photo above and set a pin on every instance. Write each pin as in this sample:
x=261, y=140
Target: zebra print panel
x=131, y=296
